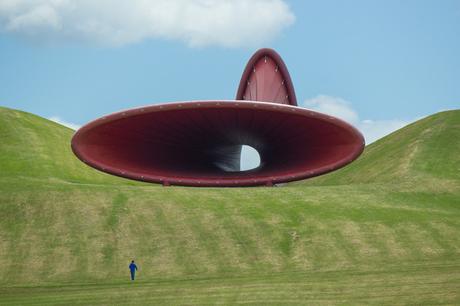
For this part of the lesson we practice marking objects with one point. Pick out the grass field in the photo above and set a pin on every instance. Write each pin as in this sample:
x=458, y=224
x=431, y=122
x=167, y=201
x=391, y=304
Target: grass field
x=434, y=284
x=385, y=230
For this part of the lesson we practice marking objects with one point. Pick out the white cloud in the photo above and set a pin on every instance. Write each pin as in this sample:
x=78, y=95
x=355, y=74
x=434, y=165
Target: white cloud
x=374, y=130
x=333, y=106
x=228, y=23
x=340, y=108
x=57, y=119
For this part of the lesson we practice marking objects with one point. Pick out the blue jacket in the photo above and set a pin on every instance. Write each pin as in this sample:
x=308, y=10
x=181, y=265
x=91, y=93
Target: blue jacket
x=132, y=267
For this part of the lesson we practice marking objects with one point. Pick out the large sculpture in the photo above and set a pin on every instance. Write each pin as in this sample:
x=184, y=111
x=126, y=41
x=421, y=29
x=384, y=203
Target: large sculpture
x=198, y=143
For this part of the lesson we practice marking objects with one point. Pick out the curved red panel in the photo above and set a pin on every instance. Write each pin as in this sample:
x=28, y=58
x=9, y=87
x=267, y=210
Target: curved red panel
x=267, y=79
x=187, y=143
x=198, y=143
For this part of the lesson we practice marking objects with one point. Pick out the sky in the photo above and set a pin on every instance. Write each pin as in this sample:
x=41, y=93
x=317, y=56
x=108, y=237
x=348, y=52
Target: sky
x=377, y=64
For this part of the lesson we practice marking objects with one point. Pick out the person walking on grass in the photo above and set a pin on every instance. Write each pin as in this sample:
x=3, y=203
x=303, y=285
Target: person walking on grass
x=132, y=269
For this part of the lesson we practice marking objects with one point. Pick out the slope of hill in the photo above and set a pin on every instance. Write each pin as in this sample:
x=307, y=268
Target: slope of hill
x=32, y=147
x=67, y=232
x=424, y=150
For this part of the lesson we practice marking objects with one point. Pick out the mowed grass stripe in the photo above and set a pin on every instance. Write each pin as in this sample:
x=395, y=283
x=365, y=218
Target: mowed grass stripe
x=155, y=253
x=180, y=219
x=326, y=251
x=448, y=235
x=390, y=242
x=175, y=242
x=75, y=226
x=219, y=240
x=424, y=285
x=440, y=239
x=422, y=240
x=261, y=251
x=206, y=240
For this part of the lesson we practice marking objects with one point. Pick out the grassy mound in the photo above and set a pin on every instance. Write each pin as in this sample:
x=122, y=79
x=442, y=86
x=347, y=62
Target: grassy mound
x=33, y=148
x=424, y=151
x=386, y=229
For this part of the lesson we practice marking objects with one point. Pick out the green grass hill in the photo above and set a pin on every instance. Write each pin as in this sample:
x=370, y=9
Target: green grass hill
x=384, y=230
x=424, y=151
x=33, y=148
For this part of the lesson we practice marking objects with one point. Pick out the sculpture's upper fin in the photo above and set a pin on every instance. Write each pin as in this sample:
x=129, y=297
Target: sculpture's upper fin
x=266, y=79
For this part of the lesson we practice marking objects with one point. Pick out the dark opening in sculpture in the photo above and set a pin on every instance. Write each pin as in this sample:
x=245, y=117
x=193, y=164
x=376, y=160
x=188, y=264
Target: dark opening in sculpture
x=199, y=143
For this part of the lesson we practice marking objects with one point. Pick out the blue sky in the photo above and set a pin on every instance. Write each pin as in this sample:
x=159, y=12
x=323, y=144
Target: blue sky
x=376, y=64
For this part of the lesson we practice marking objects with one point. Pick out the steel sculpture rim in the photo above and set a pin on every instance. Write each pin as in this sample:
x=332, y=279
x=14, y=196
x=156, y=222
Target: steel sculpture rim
x=92, y=161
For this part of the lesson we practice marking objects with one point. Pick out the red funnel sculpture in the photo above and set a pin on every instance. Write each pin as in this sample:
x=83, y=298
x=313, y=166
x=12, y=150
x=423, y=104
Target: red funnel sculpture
x=198, y=143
